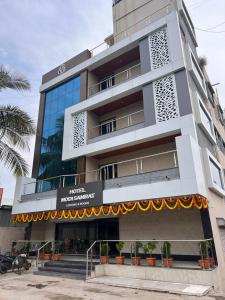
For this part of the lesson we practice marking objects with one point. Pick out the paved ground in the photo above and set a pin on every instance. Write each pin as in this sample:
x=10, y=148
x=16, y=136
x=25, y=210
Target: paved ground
x=32, y=287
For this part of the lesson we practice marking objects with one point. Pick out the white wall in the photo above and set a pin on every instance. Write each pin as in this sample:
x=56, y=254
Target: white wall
x=8, y=235
x=183, y=224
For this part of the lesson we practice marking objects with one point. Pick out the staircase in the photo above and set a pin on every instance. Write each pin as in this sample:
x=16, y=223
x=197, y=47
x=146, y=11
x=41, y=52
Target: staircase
x=75, y=269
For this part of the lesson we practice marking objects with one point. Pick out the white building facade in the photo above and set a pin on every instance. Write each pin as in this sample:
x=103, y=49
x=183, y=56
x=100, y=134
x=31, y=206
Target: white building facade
x=130, y=142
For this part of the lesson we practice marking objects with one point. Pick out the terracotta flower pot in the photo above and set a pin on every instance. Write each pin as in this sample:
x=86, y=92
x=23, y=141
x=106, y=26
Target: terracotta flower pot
x=57, y=257
x=136, y=261
x=168, y=262
x=41, y=256
x=151, y=261
x=120, y=260
x=212, y=262
x=204, y=263
x=104, y=260
x=47, y=256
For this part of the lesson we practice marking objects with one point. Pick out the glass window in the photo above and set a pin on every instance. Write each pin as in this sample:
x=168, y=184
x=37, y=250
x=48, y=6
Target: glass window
x=107, y=82
x=51, y=165
x=216, y=174
x=107, y=126
x=206, y=119
x=108, y=172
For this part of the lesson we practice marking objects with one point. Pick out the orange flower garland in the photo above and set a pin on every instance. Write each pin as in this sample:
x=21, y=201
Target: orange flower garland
x=196, y=201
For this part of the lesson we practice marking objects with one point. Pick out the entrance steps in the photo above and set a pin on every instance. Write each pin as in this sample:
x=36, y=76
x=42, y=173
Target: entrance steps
x=152, y=285
x=69, y=269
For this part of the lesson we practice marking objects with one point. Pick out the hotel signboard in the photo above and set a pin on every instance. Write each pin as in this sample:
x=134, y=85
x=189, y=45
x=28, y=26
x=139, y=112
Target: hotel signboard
x=80, y=196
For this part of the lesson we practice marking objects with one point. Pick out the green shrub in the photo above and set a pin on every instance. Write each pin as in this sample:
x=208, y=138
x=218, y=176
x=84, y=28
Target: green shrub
x=104, y=249
x=166, y=250
x=119, y=247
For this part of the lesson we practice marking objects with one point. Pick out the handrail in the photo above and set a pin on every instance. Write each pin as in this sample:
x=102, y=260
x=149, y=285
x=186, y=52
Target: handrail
x=118, y=119
x=147, y=21
x=43, y=246
x=127, y=71
x=90, y=249
x=97, y=170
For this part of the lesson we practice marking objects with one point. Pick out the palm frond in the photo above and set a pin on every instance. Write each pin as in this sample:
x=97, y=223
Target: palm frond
x=15, y=125
x=12, y=80
x=13, y=160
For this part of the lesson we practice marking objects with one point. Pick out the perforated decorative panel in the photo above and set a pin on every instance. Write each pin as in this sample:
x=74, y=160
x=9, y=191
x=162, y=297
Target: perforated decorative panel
x=79, y=129
x=165, y=97
x=159, y=49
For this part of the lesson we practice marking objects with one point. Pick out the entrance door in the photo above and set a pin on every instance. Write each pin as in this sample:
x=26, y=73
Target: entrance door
x=77, y=237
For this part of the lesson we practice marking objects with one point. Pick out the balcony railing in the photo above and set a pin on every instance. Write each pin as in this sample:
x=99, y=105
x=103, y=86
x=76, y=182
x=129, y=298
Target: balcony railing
x=116, y=124
x=165, y=10
x=115, y=79
x=149, y=164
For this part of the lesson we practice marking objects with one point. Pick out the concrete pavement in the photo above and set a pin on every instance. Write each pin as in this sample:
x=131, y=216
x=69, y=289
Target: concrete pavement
x=28, y=286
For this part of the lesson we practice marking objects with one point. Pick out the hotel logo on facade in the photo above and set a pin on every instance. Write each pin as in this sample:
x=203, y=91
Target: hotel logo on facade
x=80, y=196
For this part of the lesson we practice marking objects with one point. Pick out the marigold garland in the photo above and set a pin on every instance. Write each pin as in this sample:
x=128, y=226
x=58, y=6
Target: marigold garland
x=199, y=202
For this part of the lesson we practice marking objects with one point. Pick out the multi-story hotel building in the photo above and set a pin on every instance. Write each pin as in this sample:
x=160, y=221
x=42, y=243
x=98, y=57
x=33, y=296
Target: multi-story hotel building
x=130, y=142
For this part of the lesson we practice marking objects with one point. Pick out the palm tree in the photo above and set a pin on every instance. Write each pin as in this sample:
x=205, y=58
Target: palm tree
x=16, y=126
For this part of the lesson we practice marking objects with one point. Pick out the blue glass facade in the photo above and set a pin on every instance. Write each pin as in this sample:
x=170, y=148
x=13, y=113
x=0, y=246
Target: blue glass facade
x=51, y=165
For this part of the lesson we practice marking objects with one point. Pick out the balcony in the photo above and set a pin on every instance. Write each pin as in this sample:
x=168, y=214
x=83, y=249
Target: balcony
x=115, y=79
x=152, y=168
x=112, y=126
x=115, y=118
x=156, y=13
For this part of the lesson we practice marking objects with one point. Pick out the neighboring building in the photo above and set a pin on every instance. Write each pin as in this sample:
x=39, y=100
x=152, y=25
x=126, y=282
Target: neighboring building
x=8, y=232
x=130, y=142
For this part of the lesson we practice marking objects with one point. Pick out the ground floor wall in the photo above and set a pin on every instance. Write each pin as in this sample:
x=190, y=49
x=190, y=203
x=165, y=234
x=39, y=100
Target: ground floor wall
x=182, y=224
x=43, y=231
x=8, y=235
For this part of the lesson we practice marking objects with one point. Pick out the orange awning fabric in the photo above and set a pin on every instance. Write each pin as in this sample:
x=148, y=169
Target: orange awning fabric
x=187, y=202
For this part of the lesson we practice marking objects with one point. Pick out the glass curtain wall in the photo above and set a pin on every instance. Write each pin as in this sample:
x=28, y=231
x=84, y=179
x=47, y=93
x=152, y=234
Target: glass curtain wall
x=51, y=165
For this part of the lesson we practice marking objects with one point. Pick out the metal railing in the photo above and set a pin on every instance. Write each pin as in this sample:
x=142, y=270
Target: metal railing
x=31, y=247
x=199, y=254
x=128, y=167
x=116, y=124
x=115, y=79
x=165, y=10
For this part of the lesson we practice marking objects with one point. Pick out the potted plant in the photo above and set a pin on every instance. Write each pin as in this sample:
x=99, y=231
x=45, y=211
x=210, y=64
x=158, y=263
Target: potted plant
x=204, y=262
x=58, y=251
x=104, y=258
x=119, y=248
x=41, y=252
x=149, y=248
x=136, y=260
x=27, y=248
x=166, y=253
x=48, y=252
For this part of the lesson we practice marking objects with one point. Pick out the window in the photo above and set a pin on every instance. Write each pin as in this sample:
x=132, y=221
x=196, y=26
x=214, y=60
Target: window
x=197, y=71
x=220, y=142
x=107, y=82
x=220, y=114
x=107, y=126
x=205, y=118
x=210, y=92
x=108, y=172
x=51, y=165
x=216, y=174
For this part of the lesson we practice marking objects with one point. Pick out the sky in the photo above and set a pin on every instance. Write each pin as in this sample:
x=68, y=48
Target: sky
x=38, y=35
